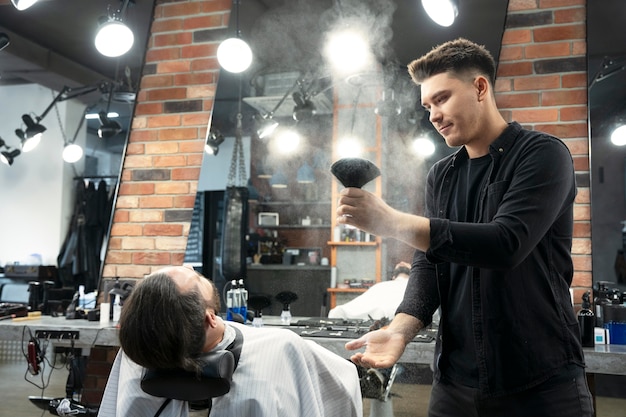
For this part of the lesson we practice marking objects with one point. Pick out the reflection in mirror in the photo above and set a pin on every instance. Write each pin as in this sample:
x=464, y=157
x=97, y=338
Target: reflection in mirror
x=606, y=47
x=57, y=206
x=314, y=108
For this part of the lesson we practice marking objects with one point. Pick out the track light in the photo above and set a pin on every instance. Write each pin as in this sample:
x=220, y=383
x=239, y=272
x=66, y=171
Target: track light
x=114, y=38
x=213, y=141
x=23, y=4
x=108, y=128
x=4, y=40
x=31, y=136
x=442, y=12
x=304, y=108
x=265, y=125
x=8, y=156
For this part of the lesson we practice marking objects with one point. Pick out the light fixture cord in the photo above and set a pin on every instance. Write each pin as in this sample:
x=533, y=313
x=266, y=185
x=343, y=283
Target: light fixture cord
x=58, y=114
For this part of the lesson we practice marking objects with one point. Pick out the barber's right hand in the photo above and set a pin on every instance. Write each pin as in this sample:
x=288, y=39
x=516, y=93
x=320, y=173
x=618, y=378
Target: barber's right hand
x=383, y=349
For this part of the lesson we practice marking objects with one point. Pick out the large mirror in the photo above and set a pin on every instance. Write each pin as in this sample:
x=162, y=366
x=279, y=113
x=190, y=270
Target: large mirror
x=292, y=82
x=606, y=47
x=57, y=213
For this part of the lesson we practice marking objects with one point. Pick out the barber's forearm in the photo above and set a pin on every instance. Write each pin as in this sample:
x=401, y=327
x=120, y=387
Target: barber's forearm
x=406, y=325
x=412, y=230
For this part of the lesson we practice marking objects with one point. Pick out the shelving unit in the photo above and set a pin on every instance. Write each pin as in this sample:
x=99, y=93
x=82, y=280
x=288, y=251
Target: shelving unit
x=356, y=260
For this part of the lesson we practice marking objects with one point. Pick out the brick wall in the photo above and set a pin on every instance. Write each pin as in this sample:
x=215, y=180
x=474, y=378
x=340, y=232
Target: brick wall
x=164, y=154
x=542, y=83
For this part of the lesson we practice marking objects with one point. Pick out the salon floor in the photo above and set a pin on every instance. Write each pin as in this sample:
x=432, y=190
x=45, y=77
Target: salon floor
x=408, y=400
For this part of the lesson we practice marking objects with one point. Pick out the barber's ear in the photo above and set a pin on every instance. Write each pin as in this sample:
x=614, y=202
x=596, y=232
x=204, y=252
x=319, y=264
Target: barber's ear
x=482, y=87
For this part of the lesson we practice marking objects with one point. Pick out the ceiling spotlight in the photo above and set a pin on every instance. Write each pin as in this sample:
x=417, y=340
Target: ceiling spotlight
x=114, y=38
x=23, y=4
x=442, y=12
x=304, y=108
x=213, y=141
x=72, y=153
x=7, y=157
x=388, y=106
x=31, y=136
x=108, y=128
x=4, y=40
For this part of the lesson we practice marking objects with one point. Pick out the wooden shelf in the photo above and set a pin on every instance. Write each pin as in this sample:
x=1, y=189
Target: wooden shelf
x=352, y=243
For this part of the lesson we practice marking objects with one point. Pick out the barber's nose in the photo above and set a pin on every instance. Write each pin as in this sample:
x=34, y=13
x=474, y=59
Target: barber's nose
x=434, y=116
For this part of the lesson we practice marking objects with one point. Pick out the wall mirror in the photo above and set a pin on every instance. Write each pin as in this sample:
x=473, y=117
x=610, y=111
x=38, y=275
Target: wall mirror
x=606, y=48
x=58, y=213
x=291, y=82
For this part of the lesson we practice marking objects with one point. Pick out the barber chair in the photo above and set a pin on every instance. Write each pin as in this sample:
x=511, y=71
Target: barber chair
x=376, y=385
x=197, y=390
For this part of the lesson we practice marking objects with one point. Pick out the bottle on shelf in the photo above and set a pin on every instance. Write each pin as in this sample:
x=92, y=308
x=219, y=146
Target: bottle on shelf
x=601, y=299
x=586, y=321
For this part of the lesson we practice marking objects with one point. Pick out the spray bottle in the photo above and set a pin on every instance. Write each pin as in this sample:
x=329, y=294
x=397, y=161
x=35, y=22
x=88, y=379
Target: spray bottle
x=243, y=298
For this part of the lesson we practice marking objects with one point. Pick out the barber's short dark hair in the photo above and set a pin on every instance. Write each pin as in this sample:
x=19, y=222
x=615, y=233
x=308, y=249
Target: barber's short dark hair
x=460, y=57
x=162, y=327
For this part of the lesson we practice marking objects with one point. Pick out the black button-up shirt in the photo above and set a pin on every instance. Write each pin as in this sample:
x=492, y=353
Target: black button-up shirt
x=519, y=253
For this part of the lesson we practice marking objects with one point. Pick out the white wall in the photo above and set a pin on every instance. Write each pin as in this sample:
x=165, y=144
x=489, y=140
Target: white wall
x=35, y=204
x=215, y=169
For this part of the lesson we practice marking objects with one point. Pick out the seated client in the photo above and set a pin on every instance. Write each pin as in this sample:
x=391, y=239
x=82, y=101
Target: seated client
x=379, y=301
x=171, y=317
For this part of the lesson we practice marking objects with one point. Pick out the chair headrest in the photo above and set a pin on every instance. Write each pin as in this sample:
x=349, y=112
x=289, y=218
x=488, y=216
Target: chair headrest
x=213, y=381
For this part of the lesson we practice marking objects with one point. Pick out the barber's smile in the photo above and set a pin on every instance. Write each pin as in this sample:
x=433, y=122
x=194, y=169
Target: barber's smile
x=444, y=129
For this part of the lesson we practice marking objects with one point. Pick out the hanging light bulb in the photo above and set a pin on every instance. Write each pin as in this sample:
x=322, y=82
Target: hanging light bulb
x=114, y=38
x=618, y=137
x=234, y=54
x=442, y=12
x=72, y=153
x=23, y=4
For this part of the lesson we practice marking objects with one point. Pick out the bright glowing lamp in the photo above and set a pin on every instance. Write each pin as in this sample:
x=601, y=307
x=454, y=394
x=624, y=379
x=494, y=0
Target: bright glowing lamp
x=234, y=55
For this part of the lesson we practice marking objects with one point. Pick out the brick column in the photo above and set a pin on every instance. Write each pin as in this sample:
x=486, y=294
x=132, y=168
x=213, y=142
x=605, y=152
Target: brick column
x=164, y=154
x=542, y=83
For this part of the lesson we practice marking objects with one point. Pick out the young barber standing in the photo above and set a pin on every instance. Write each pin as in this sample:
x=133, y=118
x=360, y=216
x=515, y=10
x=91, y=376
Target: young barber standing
x=492, y=249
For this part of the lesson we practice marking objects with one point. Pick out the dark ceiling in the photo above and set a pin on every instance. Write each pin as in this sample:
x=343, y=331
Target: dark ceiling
x=52, y=42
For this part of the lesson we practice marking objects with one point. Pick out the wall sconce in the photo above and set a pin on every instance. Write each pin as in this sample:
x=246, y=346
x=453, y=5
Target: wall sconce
x=114, y=38
x=442, y=12
x=234, y=54
x=23, y=4
x=213, y=141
